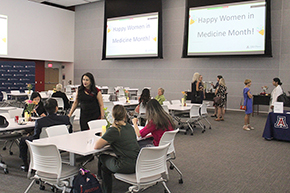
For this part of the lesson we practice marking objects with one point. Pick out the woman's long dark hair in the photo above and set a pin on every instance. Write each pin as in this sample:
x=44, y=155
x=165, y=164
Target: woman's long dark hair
x=93, y=85
x=277, y=80
x=156, y=114
x=145, y=96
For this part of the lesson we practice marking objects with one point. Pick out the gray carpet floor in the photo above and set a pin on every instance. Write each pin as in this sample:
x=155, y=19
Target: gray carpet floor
x=223, y=159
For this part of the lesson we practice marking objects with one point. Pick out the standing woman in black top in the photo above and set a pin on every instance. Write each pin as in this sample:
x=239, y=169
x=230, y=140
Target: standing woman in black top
x=91, y=101
x=197, y=89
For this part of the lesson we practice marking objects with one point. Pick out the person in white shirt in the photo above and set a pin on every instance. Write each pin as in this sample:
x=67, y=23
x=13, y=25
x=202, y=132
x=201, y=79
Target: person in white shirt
x=275, y=93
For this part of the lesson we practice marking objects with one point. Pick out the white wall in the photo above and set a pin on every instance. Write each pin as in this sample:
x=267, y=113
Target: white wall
x=37, y=31
x=174, y=73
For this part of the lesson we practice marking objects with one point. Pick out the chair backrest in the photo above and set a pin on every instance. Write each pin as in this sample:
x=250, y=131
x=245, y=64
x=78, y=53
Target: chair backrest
x=56, y=130
x=74, y=96
x=68, y=89
x=194, y=111
x=142, y=109
x=43, y=133
x=151, y=161
x=14, y=91
x=15, y=112
x=97, y=124
x=168, y=137
x=166, y=109
x=106, y=97
x=49, y=93
x=71, y=119
x=110, y=90
x=176, y=102
x=77, y=113
x=60, y=102
x=166, y=103
x=122, y=99
x=203, y=110
x=5, y=96
x=43, y=94
x=44, y=158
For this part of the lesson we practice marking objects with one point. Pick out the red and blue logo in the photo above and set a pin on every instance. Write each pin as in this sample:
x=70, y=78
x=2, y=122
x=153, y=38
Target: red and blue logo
x=281, y=123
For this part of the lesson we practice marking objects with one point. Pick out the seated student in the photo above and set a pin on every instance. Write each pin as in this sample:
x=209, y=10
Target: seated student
x=160, y=96
x=38, y=110
x=143, y=99
x=62, y=95
x=50, y=120
x=123, y=141
x=158, y=122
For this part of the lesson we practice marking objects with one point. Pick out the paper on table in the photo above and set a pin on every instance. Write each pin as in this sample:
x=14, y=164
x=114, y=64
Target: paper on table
x=278, y=107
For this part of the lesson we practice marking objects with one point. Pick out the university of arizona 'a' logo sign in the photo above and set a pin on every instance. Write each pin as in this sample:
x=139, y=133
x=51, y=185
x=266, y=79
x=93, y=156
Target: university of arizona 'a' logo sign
x=281, y=122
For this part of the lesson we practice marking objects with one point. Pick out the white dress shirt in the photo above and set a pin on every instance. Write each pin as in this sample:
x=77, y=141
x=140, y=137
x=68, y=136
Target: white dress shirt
x=275, y=93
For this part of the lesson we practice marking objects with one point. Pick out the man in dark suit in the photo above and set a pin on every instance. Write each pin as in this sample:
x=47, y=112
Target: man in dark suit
x=50, y=120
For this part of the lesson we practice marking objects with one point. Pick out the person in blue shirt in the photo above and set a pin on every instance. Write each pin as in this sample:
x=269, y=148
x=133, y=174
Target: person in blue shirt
x=248, y=103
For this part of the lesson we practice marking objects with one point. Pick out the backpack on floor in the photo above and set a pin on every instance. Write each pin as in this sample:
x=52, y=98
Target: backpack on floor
x=85, y=182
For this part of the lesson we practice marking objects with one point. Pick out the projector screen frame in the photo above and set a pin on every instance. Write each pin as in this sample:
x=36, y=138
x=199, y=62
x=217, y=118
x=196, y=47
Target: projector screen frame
x=193, y=4
x=129, y=8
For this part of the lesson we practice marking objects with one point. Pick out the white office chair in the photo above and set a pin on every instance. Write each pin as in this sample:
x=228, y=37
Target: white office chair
x=77, y=114
x=150, y=165
x=97, y=124
x=49, y=93
x=71, y=119
x=142, y=114
x=56, y=130
x=194, y=117
x=15, y=112
x=43, y=94
x=176, y=102
x=60, y=105
x=14, y=91
x=106, y=97
x=122, y=99
x=165, y=107
x=46, y=161
x=11, y=137
x=204, y=113
x=168, y=137
x=5, y=100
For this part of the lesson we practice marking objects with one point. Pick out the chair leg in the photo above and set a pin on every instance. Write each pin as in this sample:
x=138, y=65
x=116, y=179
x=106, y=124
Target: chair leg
x=165, y=187
x=64, y=188
x=208, y=122
x=178, y=171
x=30, y=185
x=190, y=128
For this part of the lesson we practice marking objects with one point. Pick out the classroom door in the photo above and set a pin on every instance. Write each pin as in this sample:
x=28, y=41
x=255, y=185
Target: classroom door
x=51, y=78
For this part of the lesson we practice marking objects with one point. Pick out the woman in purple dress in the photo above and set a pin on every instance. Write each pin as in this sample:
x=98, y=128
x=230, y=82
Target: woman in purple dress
x=248, y=103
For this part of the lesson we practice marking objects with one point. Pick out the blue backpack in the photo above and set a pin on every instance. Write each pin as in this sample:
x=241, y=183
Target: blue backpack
x=85, y=182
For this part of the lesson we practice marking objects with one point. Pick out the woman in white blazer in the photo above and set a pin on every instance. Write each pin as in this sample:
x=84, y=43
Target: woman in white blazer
x=276, y=92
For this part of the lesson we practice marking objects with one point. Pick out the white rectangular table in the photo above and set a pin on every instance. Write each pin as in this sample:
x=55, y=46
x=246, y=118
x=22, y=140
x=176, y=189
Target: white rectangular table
x=81, y=143
x=130, y=103
x=13, y=126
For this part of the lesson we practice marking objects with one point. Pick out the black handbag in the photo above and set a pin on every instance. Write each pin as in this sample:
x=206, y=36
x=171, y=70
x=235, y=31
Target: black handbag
x=283, y=98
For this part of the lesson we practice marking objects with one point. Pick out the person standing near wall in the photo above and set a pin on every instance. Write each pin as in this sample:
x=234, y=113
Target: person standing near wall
x=197, y=89
x=248, y=103
x=276, y=92
x=221, y=92
x=215, y=87
x=91, y=101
